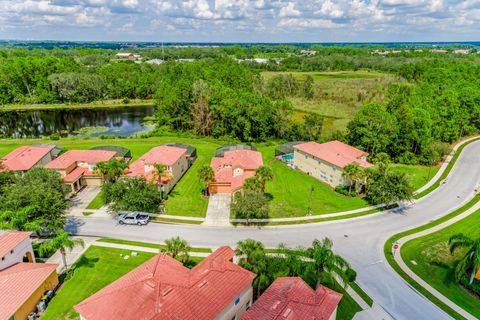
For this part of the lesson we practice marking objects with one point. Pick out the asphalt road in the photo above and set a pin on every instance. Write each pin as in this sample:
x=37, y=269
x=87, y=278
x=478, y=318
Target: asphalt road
x=360, y=240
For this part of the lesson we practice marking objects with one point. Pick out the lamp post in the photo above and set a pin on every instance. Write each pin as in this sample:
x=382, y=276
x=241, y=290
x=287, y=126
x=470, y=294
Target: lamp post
x=309, y=212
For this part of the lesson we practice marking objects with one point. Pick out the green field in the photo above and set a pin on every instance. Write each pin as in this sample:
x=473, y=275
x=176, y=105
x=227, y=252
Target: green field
x=289, y=190
x=92, y=105
x=418, y=175
x=338, y=95
x=97, y=268
x=434, y=263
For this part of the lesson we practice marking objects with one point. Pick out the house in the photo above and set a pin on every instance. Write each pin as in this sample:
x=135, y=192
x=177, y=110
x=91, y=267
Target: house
x=127, y=55
x=76, y=167
x=155, y=61
x=308, y=52
x=438, y=51
x=461, y=51
x=326, y=161
x=292, y=298
x=22, y=284
x=122, y=153
x=232, y=167
x=27, y=157
x=175, y=159
x=162, y=288
x=15, y=246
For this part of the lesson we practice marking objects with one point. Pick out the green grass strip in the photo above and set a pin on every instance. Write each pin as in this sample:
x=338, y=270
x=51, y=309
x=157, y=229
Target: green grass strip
x=148, y=244
x=174, y=221
x=387, y=249
x=446, y=172
x=97, y=202
x=361, y=293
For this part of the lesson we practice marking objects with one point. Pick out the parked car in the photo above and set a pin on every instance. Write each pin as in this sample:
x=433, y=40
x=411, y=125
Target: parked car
x=133, y=218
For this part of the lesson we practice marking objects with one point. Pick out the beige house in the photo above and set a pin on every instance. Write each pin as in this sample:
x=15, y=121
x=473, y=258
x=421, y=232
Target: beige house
x=326, y=161
x=175, y=159
x=77, y=167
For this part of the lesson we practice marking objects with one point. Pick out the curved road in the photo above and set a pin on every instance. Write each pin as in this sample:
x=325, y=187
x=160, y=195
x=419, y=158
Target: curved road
x=359, y=240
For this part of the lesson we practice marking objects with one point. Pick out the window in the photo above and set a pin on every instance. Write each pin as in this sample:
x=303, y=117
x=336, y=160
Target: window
x=237, y=300
x=11, y=251
x=3, y=258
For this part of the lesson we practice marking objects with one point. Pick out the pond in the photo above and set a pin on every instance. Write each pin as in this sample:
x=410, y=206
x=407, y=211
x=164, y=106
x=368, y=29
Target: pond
x=121, y=121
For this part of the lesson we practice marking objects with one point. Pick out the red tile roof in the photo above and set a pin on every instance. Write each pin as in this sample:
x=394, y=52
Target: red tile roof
x=335, y=152
x=75, y=174
x=19, y=282
x=11, y=239
x=223, y=167
x=162, y=288
x=74, y=156
x=24, y=158
x=166, y=155
x=291, y=298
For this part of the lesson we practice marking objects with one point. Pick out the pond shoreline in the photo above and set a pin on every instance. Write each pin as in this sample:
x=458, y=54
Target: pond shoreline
x=65, y=106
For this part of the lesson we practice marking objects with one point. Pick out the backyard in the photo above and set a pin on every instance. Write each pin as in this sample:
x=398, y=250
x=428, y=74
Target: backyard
x=429, y=257
x=289, y=189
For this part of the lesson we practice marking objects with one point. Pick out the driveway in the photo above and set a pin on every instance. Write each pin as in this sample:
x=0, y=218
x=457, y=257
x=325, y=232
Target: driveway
x=360, y=240
x=81, y=200
x=218, y=211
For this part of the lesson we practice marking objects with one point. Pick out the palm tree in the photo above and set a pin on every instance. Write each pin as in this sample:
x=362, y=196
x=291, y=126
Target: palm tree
x=160, y=173
x=264, y=174
x=351, y=172
x=471, y=260
x=326, y=263
x=253, y=184
x=177, y=247
x=252, y=257
x=206, y=175
x=110, y=170
x=61, y=241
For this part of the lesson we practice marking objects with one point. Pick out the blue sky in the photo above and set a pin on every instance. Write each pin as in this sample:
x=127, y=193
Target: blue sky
x=241, y=20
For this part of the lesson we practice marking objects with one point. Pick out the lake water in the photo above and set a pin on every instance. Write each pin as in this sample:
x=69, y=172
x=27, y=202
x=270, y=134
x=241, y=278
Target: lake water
x=122, y=121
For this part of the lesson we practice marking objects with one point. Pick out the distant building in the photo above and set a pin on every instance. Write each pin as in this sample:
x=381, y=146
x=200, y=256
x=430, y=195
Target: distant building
x=326, y=161
x=438, y=51
x=76, y=167
x=176, y=160
x=185, y=60
x=155, y=61
x=461, y=51
x=162, y=288
x=232, y=168
x=22, y=284
x=27, y=157
x=292, y=298
x=308, y=52
x=127, y=55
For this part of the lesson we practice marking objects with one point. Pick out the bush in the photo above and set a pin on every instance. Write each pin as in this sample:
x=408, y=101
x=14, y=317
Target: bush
x=474, y=287
x=407, y=158
x=351, y=275
x=344, y=190
x=55, y=136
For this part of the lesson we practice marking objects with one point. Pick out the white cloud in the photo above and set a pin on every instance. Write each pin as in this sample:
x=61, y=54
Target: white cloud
x=289, y=11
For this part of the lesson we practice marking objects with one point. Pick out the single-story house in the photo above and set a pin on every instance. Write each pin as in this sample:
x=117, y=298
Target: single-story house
x=22, y=284
x=292, y=298
x=232, y=167
x=162, y=288
x=26, y=157
x=326, y=161
x=175, y=159
x=127, y=55
x=76, y=167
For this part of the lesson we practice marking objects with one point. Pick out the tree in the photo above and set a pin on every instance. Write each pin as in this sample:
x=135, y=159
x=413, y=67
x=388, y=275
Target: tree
x=381, y=157
x=470, y=262
x=352, y=172
x=178, y=248
x=61, y=241
x=42, y=191
x=388, y=187
x=132, y=194
x=202, y=118
x=326, y=263
x=111, y=170
x=313, y=124
x=307, y=89
x=264, y=174
x=19, y=220
x=206, y=175
x=253, y=257
x=253, y=184
x=250, y=205
x=160, y=174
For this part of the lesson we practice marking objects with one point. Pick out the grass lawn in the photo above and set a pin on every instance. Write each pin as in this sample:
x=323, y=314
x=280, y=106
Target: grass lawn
x=97, y=268
x=92, y=105
x=97, y=202
x=148, y=244
x=347, y=307
x=418, y=175
x=338, y=95
x=435, y=264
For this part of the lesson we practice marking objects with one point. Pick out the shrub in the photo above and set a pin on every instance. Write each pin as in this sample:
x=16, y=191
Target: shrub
x=344, y=190
x=55, y=136
x=351, y=275
x=474, y=287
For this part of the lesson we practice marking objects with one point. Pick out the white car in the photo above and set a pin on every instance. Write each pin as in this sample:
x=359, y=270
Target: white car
x=137, y=218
